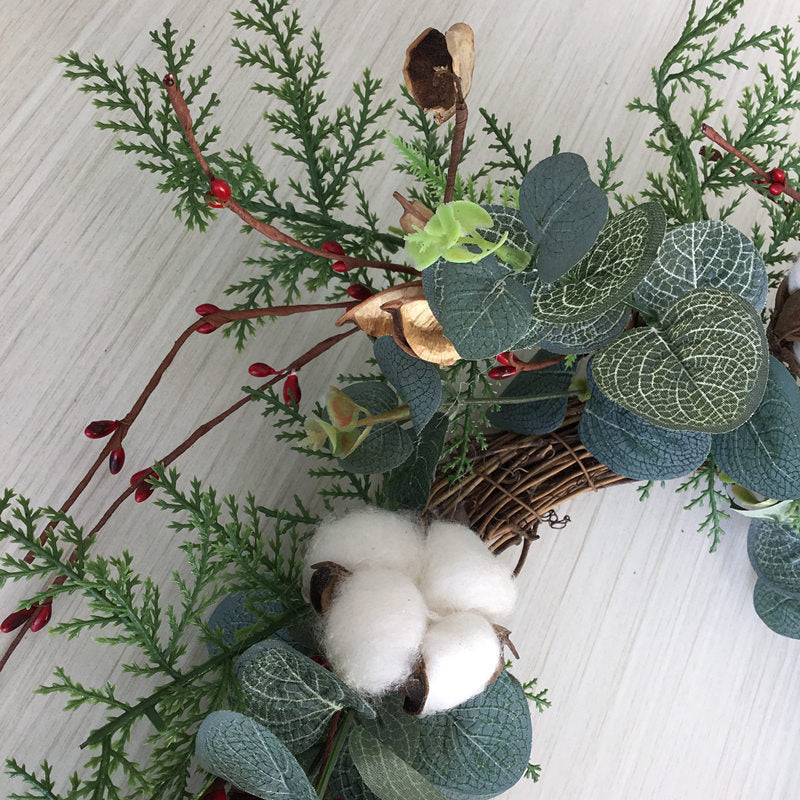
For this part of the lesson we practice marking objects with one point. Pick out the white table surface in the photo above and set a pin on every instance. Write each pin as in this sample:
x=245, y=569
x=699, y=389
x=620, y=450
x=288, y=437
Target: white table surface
x=664, y=683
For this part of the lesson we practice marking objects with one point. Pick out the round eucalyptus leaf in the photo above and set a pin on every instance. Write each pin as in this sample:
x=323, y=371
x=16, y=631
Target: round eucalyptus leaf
x=480, y=748
x=241, y=610
x=774, y=551
x=708, y=253
x=703, y=368
x=634, y=447
x=250, y=756
x=778, y=611
x=578, y=337
x=763, y=454
x=607, y=275
x=563, y=210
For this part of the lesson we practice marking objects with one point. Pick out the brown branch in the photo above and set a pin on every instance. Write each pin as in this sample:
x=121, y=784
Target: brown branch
x=265, y=229
x=720, y=141
x=457, y=145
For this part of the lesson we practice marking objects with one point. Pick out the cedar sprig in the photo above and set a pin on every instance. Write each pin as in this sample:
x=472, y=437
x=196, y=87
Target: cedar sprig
x=704, y=483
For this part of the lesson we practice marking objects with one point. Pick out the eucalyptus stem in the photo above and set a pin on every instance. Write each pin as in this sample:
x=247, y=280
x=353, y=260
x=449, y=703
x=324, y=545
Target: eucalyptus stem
x=342, y=732
x=509, y=401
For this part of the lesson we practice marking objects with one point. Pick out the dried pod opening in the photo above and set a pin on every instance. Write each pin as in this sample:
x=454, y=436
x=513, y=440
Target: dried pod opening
x=429, y=70
x=326, y=577
x=415, y=690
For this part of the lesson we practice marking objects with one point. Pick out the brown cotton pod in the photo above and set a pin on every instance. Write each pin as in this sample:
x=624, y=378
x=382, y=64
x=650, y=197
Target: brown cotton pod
x=424, y=334
x=415, y=689
x=432, y=60
x=326, y=577
x=371, y=318
x=787, y=319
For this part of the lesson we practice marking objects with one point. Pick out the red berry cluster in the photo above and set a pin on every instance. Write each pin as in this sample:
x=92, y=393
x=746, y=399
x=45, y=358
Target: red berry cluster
x=144, y=489
x=204, y=309
x=41, y=616
x=334, y=248
x=220, y=190
x=778, y=178
x=291, y=387
x=505, y=368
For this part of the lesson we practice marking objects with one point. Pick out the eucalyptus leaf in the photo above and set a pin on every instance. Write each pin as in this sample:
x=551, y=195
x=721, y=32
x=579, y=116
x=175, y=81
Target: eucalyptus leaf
x=703, y=368
x=345, y=781
x=774, y=551
x=395, y=727
x=480, y=748
x=563, y=210
x=238, y=611
x=293, y=695
x=387, y=445
x=409, y=485
x=763, y=454
x=607, y=275
x=238, y=749
x=485, y=308
x=581, y=337
x=385, y=773
x=417, y=381
x=778, y=611
x=538, y=416
x=632, y=446
x=707, y=253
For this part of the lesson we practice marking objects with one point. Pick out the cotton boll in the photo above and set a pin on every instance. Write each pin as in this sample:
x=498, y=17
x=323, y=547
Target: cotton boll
x=373, y=630
x=794, y=277
x=461, y=653
x=369, y=537
x=460, y=574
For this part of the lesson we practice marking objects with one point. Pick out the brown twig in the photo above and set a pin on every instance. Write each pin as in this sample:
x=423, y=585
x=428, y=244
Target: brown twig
x=317, y=350
x=532, y=366
x=720, y=141
x=457, y=145
x=265, y=229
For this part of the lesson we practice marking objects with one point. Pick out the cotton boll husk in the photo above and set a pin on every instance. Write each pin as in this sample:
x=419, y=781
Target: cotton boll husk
x=372, y=632
x=369, y=537
x=460, y=574
x=793, y=283
x=461, y=653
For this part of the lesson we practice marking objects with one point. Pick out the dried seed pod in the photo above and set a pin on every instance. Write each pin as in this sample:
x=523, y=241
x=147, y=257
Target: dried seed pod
x=415, y=214
x=415, y=689
x=424, y=334
x=369, y=316
x=432, y=60
x=324, y=580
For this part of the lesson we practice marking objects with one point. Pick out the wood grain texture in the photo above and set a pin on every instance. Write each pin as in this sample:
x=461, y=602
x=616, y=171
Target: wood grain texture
x=665, y=684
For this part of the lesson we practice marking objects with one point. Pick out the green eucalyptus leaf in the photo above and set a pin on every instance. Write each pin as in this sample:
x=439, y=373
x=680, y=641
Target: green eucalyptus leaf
x=774, y=551
x=563, y=210
x=395, y=727
x=387, y=445
x=763, y=454
x=242, y=610
x=703, y=368
x=480, y=748
x=708, y=253
x=634, y=447
x=385, y=773
x=568, y=338
x=293, y=695
x=345, y=781
x=607, y=275
x=538, y=416
x=779, y=612
x=409, y=485
x=251, y=757
x=485, y=308
x=417, y=381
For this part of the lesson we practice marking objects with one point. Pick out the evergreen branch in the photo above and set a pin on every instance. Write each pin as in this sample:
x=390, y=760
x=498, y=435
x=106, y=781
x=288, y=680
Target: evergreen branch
x=704, y=482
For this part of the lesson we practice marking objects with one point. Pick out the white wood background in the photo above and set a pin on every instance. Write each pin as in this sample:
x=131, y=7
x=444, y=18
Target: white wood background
x=664, y=682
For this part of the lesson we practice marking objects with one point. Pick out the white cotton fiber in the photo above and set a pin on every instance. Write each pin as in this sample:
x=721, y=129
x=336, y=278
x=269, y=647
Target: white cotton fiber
x=461, y=653
x=794, y=277
x=373, y=630
x=460, y=574
x=369, y=537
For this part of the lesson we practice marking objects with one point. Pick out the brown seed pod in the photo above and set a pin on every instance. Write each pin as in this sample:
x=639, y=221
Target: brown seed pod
x=326, y=577
x=415, y=690
x=369, y=316
x=432, y=61
x=415, y=216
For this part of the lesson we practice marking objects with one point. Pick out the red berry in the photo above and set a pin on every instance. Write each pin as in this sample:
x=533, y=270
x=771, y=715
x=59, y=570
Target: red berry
x=116, y=460
x=502, y=372
x=339, y=266
x=775, y=189
x=100, y=428
x=261, y=370
x=136, y=475
x=168, y=79
x=216, y=791
x=220, y=189
x=144, y=489
x=321, y=660
x=142, y=492
x=206, y=327
x=291, y=391
x=17, y=619
x=504, y=358
x=333, y=247
x=778, y=175
x=42, y=617
x=204, y=309
x=358, y=291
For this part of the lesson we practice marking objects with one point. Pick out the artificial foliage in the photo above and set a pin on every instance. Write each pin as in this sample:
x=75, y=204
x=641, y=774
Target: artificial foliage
x=645, y=312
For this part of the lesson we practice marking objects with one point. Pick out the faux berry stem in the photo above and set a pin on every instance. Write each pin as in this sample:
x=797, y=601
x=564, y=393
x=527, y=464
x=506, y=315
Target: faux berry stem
x=457, y=145
x=265, y=229
x=720, y=141
x=340, y=731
